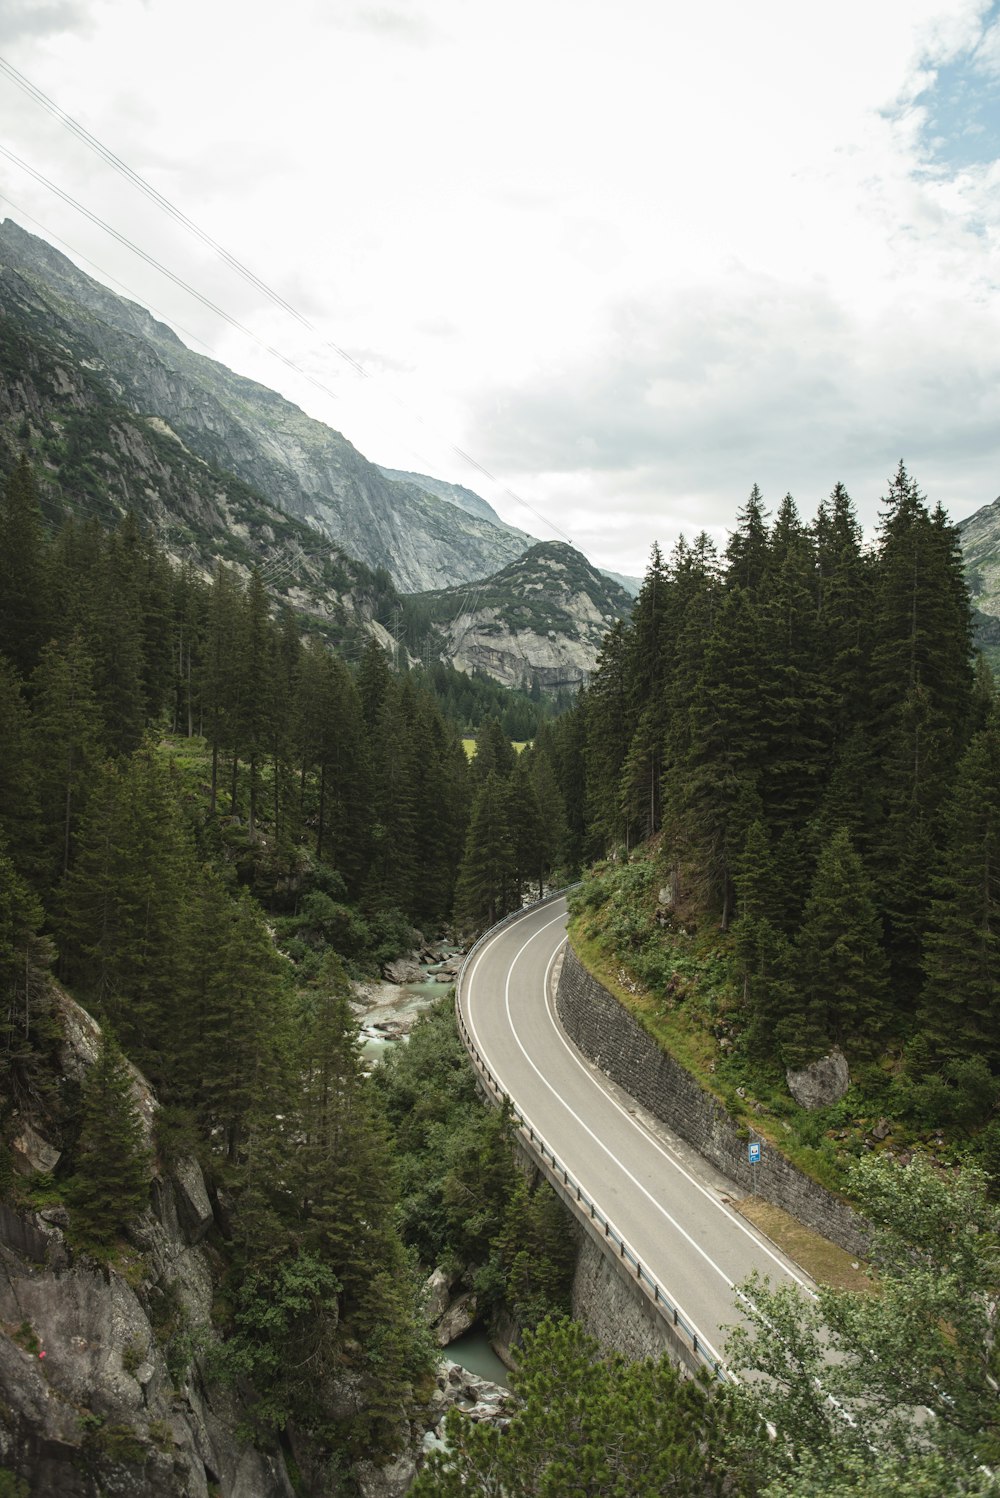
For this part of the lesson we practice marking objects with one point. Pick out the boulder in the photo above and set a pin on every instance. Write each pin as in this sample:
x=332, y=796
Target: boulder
x=390, y=1481
x=32, y=1153
x=194, y=1209
x=457, y=1319
x=436, y=1295
x=402, y=970
x=822, y=1083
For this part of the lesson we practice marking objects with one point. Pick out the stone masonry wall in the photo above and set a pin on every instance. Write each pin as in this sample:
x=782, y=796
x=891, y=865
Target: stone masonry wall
x=607, y=1034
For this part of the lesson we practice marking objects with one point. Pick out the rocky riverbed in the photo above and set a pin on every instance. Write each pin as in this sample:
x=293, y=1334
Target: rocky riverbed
x=388, y=1009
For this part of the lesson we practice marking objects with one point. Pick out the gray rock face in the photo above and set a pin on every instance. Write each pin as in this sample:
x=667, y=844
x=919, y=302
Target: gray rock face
x=32, y=1153
x=544, y=616
x=89, y=1402
x=437, y=1293
x=822, y=1083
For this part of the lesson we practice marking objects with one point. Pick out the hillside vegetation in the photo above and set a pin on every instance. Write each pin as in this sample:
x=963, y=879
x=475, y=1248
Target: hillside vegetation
x=799, y=735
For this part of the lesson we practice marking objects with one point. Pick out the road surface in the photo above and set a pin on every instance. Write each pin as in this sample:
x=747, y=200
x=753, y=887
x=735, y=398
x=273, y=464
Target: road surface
x=668, y=1204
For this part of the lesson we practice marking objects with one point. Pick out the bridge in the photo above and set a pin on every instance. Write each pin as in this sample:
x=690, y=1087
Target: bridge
x=660, y=1211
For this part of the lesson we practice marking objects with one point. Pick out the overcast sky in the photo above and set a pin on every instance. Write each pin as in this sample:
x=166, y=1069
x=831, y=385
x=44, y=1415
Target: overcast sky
x=633, y=256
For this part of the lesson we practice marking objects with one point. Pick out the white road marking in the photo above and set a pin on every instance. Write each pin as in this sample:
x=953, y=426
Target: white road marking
x=663, y=1149
x=644, y=1133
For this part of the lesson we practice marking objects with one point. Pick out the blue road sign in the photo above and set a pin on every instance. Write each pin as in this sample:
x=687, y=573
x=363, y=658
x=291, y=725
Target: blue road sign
x=753, y=1152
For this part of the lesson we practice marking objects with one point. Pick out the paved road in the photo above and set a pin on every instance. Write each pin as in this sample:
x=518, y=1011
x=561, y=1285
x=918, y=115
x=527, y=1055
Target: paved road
x=668, y=1204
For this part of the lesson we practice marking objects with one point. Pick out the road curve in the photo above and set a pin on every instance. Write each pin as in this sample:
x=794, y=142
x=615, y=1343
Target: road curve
x=667, y=1203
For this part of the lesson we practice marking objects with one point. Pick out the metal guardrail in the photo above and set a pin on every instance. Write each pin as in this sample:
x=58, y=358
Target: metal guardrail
x=571, y=1190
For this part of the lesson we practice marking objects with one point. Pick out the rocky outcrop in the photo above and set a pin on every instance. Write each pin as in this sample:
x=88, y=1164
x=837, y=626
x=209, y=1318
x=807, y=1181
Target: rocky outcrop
x=543, y=618
x=105, y=1383
x=95, y=1394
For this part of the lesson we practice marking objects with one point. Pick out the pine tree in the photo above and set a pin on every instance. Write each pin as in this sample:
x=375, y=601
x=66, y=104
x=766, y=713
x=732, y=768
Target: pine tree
x=66, y=729
x=842, y=970
x=124, y=904
x=961, y=999
x=19, y=808
x=25, y=1033
x=485, y=888
x=747, y=548
x=110, y=1184
x=24, y=595
x=608, y=738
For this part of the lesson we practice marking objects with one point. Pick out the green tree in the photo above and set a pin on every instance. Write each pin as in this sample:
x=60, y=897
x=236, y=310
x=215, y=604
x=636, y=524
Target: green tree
x=24, y=592
x=853, y=1374
x=66, y=730
x=589, y=1425
x=840, y=961
x=26, y=1033
x=110, y=1184
x=961, y=998
x=486, y=889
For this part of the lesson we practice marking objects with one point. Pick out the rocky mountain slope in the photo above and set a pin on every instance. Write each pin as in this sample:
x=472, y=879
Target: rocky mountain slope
x=980, y=539
x=96, y=458
x=542, y=617
x=234, y=425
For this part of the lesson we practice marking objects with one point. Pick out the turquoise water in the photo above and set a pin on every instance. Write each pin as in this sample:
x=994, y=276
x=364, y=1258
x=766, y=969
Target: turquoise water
x=474, y=1352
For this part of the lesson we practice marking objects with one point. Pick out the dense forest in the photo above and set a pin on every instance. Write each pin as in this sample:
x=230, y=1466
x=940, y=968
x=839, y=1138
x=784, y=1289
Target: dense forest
x=208, y=821
x=797, y=742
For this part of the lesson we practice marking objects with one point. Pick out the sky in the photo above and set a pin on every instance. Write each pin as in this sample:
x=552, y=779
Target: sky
x=631, y=256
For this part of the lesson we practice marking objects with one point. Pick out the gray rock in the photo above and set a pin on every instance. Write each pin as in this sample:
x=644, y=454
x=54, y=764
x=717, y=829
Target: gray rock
x=403, y=970
x=436, y=1295
x=457, y=1319
x=32, y=1153
x=475, y=1396
x=390, y=1481
x=193, y=1206
x=822, y=1083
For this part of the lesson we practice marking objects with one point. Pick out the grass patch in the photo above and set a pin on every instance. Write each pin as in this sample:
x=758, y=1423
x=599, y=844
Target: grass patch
x=823, y=1261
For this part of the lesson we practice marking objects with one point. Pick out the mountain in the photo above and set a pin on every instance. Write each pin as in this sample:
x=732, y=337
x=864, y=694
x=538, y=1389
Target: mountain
x=474, y=504
x=234, y=425
x=543, y=617
x=456, y=494
x=96, y=458
x=979, y=536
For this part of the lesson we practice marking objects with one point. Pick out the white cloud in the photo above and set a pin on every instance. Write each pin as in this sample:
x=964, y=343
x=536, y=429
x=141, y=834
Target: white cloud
x=633, y=255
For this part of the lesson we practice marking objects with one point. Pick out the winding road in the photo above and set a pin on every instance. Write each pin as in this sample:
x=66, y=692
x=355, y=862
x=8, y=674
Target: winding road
x=669, y=1205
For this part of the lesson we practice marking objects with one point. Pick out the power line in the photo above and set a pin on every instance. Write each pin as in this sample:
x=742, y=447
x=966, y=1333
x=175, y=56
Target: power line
x=163, y=269
x=150, y=192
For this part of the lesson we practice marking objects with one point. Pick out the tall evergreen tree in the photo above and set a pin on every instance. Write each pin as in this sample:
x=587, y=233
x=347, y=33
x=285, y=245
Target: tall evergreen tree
x=66, y=732
x=110, y=1185
x=842, y=970
x=485, y=890
x=25, y=618
x=961, y=998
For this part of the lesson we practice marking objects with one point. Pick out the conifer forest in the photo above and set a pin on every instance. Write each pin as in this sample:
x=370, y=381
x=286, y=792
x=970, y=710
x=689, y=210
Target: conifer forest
x=781, y=783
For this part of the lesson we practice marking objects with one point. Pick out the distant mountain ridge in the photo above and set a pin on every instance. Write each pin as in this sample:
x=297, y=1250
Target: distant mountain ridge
x=300, y=465
x=118, y=415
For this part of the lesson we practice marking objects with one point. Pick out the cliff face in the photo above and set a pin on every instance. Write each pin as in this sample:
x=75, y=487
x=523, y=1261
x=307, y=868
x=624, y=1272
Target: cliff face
x=544, y=616
x=299, y=466
x=104, y=1384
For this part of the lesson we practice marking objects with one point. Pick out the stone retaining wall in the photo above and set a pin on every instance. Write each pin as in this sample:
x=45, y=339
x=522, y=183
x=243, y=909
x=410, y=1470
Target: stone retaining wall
x=610, y=1037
